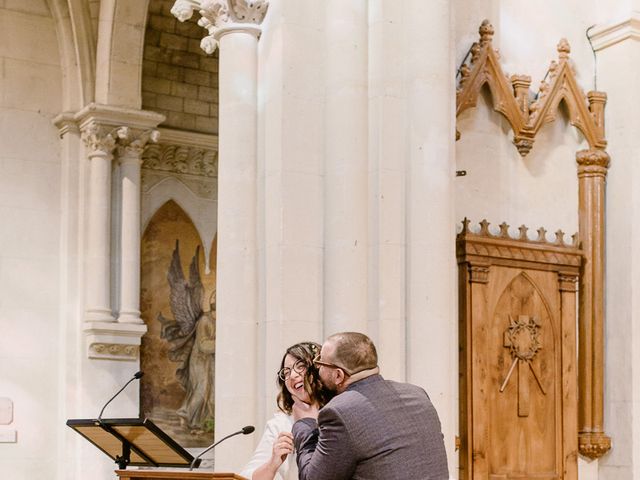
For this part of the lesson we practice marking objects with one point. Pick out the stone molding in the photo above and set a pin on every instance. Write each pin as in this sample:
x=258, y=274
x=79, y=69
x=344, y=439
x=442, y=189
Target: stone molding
x=181, y=159
x=190, y=157
x=66, y=123
x=113, y=341
x=104, y=127
x=222, y=16
x=605, y=36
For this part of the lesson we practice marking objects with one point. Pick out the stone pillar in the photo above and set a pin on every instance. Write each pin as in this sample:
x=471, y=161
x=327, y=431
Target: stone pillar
x=592, y=172
x=387, y=186
x=430, y=224
x=100, y=143
x=130, y=149
x=291, y=162
x=234, y=25
x=345, y=181
x=101, y=127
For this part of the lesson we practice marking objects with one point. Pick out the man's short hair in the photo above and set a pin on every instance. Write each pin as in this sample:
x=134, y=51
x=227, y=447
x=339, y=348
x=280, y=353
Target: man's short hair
x=354, y=351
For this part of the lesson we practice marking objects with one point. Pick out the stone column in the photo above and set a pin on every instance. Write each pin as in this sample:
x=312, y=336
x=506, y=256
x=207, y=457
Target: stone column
x=101, y=126
x=345, y=175
x=130, y=149
x=387, y=184
x=234, y=25
x=100, y=143
x=430, y=224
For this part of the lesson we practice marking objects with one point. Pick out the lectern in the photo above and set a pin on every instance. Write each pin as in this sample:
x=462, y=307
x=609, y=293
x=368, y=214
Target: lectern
x=138, y=442
x=133, y=441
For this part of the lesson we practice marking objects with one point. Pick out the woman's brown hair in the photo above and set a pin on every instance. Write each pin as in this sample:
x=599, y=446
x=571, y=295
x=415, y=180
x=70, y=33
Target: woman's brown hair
x=305, y=351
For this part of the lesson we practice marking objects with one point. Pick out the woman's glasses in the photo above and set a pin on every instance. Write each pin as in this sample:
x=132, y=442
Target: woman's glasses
x=299, y=367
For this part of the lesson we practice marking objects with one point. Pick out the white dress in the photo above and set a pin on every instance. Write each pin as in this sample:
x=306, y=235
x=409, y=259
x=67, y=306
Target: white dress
x=289, y=469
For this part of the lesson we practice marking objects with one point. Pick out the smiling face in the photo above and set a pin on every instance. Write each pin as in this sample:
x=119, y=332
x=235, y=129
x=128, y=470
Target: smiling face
x=295, y=382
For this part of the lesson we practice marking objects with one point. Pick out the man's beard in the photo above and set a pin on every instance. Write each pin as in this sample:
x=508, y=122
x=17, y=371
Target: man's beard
x=329, y=385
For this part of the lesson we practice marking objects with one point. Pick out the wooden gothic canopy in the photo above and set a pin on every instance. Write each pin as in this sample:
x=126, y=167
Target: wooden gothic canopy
x=511, y=95
x=526, y=115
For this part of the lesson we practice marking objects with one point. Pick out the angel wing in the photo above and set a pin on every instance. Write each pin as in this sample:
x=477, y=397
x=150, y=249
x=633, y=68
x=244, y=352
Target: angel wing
x=186, y=296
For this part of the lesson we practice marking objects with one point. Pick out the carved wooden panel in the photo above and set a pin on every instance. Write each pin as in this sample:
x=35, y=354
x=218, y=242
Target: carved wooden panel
x=527, y=113
x=518, y=363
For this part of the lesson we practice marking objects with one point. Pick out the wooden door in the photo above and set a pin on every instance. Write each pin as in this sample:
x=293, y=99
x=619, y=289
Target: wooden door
x=518, y=375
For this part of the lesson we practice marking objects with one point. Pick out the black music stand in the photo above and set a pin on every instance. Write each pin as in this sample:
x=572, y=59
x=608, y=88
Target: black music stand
x=133, y=441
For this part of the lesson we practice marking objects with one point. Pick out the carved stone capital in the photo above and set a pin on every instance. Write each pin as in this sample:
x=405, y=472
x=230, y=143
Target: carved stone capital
x=592, y=163
x=98, y=138
x=593, y=445
x=222, y=16
x=132, y=142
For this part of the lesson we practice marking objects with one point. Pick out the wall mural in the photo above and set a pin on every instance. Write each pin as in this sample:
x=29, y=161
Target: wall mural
x=178, y=306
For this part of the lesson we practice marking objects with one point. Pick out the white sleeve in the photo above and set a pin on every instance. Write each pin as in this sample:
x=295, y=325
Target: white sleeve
x=263, y=451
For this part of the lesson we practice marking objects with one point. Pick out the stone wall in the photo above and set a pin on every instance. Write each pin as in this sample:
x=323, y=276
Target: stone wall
x=178, y=79
x=30, y=96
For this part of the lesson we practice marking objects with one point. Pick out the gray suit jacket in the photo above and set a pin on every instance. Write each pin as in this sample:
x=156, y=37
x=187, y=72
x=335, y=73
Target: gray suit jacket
x=375, y=429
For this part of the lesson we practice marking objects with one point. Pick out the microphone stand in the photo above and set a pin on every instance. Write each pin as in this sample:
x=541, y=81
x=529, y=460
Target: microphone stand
x=135, y=377
x=244, y=431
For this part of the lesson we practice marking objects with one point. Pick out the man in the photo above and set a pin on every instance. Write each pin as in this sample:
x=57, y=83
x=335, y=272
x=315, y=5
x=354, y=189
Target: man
x=373, y=428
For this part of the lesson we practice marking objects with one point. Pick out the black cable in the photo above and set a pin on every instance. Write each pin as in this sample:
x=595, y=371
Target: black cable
x=595, y=59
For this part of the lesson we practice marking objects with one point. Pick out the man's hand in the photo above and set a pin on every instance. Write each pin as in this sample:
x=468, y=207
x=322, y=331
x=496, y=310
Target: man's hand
x=304, y=410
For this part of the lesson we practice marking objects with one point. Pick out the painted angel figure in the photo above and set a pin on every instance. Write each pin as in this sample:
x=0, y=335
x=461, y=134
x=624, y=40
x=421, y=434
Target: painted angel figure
x=191, y=337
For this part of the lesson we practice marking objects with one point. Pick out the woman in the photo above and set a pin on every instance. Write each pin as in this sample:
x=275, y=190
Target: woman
x=298, y=380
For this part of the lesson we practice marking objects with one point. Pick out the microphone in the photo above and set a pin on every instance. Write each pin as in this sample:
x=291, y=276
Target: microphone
x=136, y=376
x=245, y=431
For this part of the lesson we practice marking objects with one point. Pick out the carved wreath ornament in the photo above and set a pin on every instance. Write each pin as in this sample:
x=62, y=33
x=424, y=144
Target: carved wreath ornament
x=523, y=337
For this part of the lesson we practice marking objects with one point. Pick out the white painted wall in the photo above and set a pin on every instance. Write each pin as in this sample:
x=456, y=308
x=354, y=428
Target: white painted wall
x=622, y=334
x=30, y=95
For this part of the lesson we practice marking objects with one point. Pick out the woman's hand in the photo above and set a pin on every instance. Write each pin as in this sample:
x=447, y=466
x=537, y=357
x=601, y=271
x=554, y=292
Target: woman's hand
x=282, y=447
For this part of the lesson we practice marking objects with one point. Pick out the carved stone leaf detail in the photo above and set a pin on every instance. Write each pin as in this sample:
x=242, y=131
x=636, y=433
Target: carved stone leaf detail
x=98, y=138
x=181, y=159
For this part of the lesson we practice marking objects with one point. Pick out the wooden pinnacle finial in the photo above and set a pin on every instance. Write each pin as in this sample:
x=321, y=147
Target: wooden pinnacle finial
x=486, y=32
x=564, y=49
